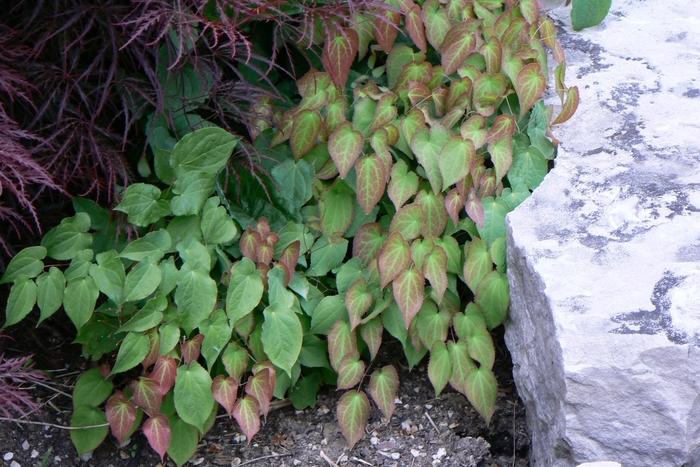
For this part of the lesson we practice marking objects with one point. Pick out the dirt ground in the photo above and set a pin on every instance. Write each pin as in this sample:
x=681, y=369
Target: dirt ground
x=424, y=430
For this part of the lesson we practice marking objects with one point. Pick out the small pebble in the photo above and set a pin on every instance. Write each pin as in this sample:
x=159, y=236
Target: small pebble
x=8, y=456
x=440, y=454
x=15, y=464
x=198, y=461
x=374, y=440
x=34, y=454
x=56, y=459
x=296, y=462
x=428, y=406
x=415, y=452
x=25, y=444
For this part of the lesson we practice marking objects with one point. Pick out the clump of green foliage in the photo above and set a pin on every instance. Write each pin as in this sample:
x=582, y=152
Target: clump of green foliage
x=384, y=210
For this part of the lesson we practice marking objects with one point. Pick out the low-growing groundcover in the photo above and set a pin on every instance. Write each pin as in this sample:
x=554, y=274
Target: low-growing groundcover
x=384, y=210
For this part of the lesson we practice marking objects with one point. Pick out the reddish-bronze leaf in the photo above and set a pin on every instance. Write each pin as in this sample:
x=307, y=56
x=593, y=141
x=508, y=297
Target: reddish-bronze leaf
x=436, y=22
x=371, y=333
x=414, y=24
x=403, y=184
x=367, y=242
x=371, y=182
x=570, y=106
x=408, y=220
x=163, y=373
x=225, y=390
x=265, y=254
x=434, y=214
x=339, y=52
x=530, y=10
x=474, y=208
x=435, y=270
x=350, y=372
x=358, y=299
x=384, y=113
x=548, y=32
x=342, y=343
x=121, y=416
x=394, y=258
x=386, y=29
x=459, y=43
x=454, y=202
x=247, y=414
x=258, y=387
x=493, y=55
x=529, y=86
x=190, y=349
x=250, y=240
x=305, y=131
x=289, y=259
x=383, y=388
x=409, y=292
x=147, y=395
x=266, y=367
x=157, y=432
x=353, y=413
x=502, y=127
x=345, y=146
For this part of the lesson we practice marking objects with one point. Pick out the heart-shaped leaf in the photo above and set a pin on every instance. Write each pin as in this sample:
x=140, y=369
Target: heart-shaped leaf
x=345, y=146
x=225, y=390
x=492, y=296
x=245, y=289
x=371, y=333
x=350, y=372
x=409, y=289
x=353, y=413
x=436, y=21
x=246, y=412
x=305, y=131
x=163, y=373
x=383, y=388
x=121, y=416
x=394, y=258
x=358, y=299
x=259, y=387
x=339, y=51
x=435, y=270
x=569, y=107
x=342, y=343
x=409, y=221
x=529, y=86
x=439, y=367
x=481, y=390
x=462, y=365
x=367, y=242
x=414, y=24
x=157, y=432
x=193, y=398
x=403, y=184
x=458, y=44
x=386, y=28
x=455, y=159
x=147, y=395
x=371, y=182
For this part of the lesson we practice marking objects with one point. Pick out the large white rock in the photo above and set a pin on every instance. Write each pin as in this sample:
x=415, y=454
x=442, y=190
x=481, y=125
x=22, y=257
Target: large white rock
x=604, y=258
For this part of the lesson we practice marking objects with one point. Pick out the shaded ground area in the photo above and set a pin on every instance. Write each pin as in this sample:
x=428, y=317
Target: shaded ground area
x=424, y=430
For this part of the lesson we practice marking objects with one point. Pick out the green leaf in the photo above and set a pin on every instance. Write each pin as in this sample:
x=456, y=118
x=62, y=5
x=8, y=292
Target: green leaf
x=403, y=184
x=462, y=365
x=244, y=291
x=492, y=296
x=480, y=345
x=432, y=205
x=358, y=299
x=217, y=334
x=528, y=170
x=282, y=336
x=432, y=325
x=294, y=181
x=409, y=221
x=195, y=297
x=489, y=89
x=68, y=238
x=454, y=161
x=399, y=56
x=169, y=336
x=314, y=353
x=109, y=275
x=436, y=21
x=91, y=389
x=27, y=264
x=247, y=414
x=342, y=344
x=193, y=397
x=206, y=150
x=477, y=264
x=501, y=152
x=439, y=367
x=367, y=242
x=305, y=132
x=336, y=208
x=235, y=361
x=345, y=146
x=143, y=205
x=589, y=13
x=49, y=294
x=170, y=275
x=350, y=373
x=362, y=117
x=79, y=300
x=141, y=281
x=329, y=310
x=147, y=317
x=132, y=351
x=348, y=273
x=481, y=390
x=192, y=190
x=87, y=439
x=537, y=129
x=353, y=413
x=371, y=332
x=435, y=270
x=371, y=182
x=427, y=146
x=408, y=289
x=153, y=245
x=494, y=226
x=21, y=301
x=303, y=394
x=459, y=42
x=327, y=255
x=383, y=388
x=394, y=324
x=183, y=440
x=217, y=227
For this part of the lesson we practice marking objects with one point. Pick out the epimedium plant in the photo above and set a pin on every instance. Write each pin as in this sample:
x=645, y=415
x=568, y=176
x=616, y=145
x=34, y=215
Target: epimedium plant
x=384, y=210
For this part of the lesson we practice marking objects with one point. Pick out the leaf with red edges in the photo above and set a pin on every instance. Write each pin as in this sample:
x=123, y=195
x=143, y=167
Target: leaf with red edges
x=289, y=259
x=502, y=127
x=475, y=208
x=403, y=184
x=501, y=151
x=409, y=292
x=408, y=220
x=350, y=372
x=121, y=416
x=414, y=24
x=529, y=86
x=339, y=52
x=455, y=159
x=459, y=43
x=258, y=386
x=394, y=258
x=247, y=414
x=157, y=432
x=434, y=214
x=146, y=394
x=358, y=299
x=436, y=22
x=383, y=388
x=163, y=373
x=570, y=106
x=371, y=333
x=530, y=10
x=305, y=131
x=225, y=390
x=342, y=343
x=386, y=29
x=345, y=146
x=367, y=242
x=384, y=113
x=371, y=182
x=249, y=243
x=454, y=202
x=353, y=413
x=190, y=349
x=266, y=367
x=435, y=270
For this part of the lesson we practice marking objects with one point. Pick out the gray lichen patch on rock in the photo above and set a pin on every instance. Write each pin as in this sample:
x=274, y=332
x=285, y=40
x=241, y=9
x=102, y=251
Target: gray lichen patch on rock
x=604, y=258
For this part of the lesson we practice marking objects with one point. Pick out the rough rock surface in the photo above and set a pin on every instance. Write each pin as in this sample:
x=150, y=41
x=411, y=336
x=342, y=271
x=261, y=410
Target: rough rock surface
x=604, y=258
